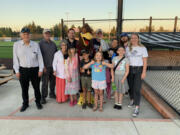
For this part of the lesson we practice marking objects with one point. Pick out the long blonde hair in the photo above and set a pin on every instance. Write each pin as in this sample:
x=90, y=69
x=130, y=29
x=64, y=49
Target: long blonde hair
x=139, y=41
x=70, y=54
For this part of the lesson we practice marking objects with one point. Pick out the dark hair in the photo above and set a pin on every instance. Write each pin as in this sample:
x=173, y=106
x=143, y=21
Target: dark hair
x=70, y=30
x=121, y=47
x=101, y=55
x=87, y=27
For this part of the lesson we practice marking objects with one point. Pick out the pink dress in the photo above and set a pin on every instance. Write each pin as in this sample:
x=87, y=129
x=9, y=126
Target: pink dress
x=72, y=71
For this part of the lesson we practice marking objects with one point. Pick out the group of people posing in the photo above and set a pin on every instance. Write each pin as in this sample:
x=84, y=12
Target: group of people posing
x=89, y=66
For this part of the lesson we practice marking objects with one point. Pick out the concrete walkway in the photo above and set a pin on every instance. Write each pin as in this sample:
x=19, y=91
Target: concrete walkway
x=77, y=127
x=10, y=95
x=61, y=119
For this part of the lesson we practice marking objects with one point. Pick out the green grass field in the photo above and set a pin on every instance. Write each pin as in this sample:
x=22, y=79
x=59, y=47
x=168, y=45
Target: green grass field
x=6, y=49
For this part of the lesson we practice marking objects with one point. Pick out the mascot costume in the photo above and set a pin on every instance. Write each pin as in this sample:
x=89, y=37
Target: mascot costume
x=84, y=44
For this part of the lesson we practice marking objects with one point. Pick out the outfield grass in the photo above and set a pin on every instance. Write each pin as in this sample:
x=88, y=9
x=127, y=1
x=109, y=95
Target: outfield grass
x=6, y=49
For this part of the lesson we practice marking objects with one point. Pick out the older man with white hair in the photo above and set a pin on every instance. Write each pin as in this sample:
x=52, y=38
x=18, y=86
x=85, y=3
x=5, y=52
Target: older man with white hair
x=28, y=66
x=48, y=49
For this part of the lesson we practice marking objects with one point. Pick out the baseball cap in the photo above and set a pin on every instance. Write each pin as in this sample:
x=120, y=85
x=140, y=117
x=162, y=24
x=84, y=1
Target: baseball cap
x=99, y=31
x=25, y=30
x=46, y=30
x=124, y=35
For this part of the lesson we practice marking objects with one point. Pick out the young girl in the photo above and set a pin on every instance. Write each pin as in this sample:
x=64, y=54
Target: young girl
x=137, y=55
x=98, y=78
x=59, y=72
x=121, y=70
x=72, y=75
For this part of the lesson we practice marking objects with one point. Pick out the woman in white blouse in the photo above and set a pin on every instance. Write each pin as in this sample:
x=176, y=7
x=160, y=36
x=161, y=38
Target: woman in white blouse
x=137, y=55
x=59, y=72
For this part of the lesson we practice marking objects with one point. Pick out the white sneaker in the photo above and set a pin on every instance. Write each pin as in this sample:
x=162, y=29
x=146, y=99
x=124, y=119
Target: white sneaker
x=136, y=112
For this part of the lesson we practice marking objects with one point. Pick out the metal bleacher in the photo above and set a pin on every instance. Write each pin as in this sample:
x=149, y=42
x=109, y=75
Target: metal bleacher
x=169, y=40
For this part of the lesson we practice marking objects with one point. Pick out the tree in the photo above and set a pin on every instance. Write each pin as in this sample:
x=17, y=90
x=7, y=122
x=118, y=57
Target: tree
x=35, y=29
x=146, y=29
x=7, y=32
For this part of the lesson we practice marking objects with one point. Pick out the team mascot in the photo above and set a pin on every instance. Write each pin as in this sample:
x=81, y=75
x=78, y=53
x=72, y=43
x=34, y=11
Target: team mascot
x=86, y=34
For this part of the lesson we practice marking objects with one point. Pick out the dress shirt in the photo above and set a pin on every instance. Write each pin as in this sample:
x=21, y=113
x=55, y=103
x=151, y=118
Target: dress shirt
x=27, y=56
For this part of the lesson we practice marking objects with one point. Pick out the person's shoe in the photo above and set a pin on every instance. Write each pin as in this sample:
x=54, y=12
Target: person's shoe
x=52, y=96
x=75, y=102
x=39, y=106
x=115, y=106
x=94, y=109
x=84, y=106
x=71, y=104
x=90, y=105
x=131, y=104
x=136, y=112
x=43, y=101
x=23, y=108
x=119, y=106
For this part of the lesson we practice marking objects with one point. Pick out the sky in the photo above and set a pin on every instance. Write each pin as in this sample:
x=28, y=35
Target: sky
x=17, y=13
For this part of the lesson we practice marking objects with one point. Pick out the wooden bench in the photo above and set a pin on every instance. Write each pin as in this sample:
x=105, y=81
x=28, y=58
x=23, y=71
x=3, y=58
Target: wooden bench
x=2, y=67
x=5, y=75
x=5, y=80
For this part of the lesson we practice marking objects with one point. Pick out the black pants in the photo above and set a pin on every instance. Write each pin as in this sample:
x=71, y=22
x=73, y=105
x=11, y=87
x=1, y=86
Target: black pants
x=46, y=78
x=27, y=75
x=135, y=81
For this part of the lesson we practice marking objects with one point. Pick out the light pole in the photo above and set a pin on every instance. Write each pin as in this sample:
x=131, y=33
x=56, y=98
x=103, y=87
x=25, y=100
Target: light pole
x=109, y=14
x=119, y=18
x=67, y=15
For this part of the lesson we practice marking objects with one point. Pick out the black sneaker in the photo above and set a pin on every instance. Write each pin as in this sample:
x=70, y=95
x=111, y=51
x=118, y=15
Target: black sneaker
x=43, y=101
x=84, y=106
x=90, y=105
x=119, y=107
x=131, y=104
x=23, y=108
x=115, y=106
x=136, y=112
x=39, y=106
x=52, y=96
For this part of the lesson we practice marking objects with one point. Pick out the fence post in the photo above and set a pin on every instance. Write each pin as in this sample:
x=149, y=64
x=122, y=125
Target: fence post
x=119, y=18
x=62, y=28
x=175, y=24
x=83, y=21
x=150, y=24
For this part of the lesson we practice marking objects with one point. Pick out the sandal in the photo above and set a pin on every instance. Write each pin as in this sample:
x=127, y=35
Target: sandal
x=94, y=109
x=101, y=109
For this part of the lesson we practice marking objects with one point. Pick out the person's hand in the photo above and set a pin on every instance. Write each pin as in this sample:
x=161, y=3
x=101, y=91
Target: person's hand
x=40, y=74
x=70, y=80
x=54, y=73
x=80, y=58
x=82, y=70
x=100, y=48
x=88, y=72
x=103, y=63
x=143, y=75
x=111, y=53
x=44, y=70
x=18, y=75
x=112, y=79
x=122, y=81
x=92, y=62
